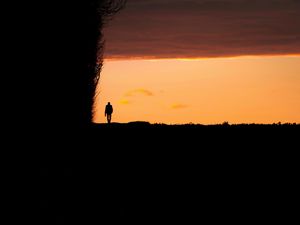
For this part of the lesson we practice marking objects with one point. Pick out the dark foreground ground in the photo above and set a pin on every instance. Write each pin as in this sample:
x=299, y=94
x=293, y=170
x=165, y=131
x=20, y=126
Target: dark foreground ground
x=139, y=173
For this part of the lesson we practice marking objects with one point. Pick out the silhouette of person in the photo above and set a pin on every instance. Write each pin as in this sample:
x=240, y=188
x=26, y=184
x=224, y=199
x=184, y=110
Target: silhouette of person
x=108, y=112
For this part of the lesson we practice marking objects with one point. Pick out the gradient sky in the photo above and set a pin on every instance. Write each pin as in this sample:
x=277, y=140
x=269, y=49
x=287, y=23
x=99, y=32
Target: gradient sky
x=203, y=61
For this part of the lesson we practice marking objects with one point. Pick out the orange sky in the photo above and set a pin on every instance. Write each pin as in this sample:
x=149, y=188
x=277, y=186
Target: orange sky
x=249, y=89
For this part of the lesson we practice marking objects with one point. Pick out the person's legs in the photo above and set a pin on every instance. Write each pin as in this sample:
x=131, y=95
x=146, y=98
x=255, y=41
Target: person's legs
x=108, y=118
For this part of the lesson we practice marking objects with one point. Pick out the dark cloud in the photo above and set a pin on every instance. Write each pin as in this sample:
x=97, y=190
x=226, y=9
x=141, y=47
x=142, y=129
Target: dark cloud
x=204, y=28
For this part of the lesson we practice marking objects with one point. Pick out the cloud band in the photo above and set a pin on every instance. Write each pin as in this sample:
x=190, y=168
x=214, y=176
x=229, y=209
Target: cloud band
x=204, y=28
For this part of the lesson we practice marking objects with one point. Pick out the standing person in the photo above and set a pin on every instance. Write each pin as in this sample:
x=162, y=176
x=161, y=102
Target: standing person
x=108, y=111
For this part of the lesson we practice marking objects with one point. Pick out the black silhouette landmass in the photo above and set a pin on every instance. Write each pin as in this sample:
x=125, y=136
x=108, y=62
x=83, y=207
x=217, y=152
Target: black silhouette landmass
x=142, y=173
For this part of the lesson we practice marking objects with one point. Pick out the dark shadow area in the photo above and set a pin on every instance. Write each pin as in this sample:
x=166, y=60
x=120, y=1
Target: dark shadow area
x=144, y=173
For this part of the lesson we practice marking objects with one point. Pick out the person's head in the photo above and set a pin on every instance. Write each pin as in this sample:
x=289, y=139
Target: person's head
x=108, y=103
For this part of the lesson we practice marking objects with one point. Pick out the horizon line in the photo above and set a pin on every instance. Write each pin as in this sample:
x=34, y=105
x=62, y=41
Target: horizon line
x=226, y=123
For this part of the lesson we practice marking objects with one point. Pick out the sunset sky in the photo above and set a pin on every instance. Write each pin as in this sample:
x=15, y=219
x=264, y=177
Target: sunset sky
x=203, y=61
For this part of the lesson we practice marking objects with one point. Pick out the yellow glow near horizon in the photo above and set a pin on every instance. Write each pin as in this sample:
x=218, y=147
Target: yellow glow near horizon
x=199, y=58
x=247, y=89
